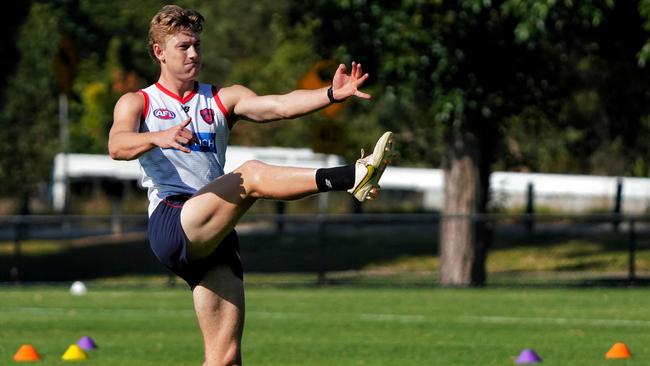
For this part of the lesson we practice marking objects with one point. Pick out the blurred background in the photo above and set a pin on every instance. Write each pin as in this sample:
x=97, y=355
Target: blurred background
x=522, y=130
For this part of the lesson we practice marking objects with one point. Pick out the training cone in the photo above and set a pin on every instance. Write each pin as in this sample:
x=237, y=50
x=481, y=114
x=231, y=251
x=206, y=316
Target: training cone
x=527, y=356
x=27, y=352
x=86, y=343
x=618, y=350
x=74, y=353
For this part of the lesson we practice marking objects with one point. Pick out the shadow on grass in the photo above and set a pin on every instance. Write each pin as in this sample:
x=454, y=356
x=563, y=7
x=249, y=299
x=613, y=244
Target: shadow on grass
x=305, y=250
x=607, y=240
x=111, y=256
x=96, y=258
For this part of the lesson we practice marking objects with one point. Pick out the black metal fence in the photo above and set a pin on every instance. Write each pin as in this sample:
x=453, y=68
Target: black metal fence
x=328, y=247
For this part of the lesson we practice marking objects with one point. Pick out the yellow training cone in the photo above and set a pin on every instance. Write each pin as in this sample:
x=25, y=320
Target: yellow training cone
x=618, y=350
x=74, y=353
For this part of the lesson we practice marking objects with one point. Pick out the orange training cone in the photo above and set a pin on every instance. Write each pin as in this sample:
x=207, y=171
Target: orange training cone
x=27, y=352
x=618, y=350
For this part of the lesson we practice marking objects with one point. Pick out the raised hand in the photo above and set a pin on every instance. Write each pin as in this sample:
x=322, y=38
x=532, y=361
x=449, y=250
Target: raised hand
x=344, y=85
x=176, y=137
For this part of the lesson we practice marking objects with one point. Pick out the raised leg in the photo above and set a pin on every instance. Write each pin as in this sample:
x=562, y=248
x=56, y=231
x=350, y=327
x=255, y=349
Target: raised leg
x=214, y=210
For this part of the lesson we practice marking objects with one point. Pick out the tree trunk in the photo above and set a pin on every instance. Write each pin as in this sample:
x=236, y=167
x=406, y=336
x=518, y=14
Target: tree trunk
x=463, y=238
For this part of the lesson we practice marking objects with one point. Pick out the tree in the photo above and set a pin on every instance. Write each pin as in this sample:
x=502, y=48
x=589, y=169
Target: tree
x=50, y=43
x=444, y=69
x=29, y=123
x=461, y=77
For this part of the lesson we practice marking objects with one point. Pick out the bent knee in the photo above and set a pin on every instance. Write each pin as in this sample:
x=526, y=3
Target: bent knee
x=252, y=171
x=252, y=166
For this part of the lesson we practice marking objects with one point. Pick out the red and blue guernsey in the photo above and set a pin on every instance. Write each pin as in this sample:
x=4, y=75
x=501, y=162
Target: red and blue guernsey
x=168, y=172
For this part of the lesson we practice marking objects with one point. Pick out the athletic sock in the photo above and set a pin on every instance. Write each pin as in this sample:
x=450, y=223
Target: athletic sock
x=335, y=179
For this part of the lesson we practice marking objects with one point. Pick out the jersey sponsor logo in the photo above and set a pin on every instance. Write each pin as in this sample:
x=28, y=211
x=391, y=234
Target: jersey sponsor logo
x=208, y=115
x=204, y=142
x=163, y=113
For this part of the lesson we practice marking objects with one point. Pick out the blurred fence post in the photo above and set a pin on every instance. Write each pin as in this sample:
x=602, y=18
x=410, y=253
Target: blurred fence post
x=20, y=234
x=617, y=204
x=280, y=209
x=356, y=206
x=115, y=188
x=64, y=138
x=116, y=218
x=530, y=208
x=631, y=275
x=322, y=246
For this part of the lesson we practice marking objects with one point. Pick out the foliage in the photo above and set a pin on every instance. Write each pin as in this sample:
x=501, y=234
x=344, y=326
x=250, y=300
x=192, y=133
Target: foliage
x=252, y=44
x=511, y=67
x=476, y=79
x=79, y=49
x=550, y=85
x=29, y=116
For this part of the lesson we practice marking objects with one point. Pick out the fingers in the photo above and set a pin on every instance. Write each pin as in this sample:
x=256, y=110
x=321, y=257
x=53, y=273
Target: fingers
x=186, y=134
x=341, y=69
x=180, y=143
x=347, y=85
x=362, y=79
x=356, y=70
x=354, y=80
x=183, y=136
x=355, y=73
x=362, y=95
x=180, y=147
x=186, y=122
x=360, y=82
x=183, y=140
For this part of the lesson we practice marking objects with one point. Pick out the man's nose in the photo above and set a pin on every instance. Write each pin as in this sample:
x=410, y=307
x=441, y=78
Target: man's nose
x=192, y=52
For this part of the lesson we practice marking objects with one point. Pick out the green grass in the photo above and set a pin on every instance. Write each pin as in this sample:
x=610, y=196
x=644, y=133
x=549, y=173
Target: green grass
x=336, y=325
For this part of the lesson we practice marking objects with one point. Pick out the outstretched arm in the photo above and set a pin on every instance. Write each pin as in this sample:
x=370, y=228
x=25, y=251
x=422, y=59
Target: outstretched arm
x=246, y=104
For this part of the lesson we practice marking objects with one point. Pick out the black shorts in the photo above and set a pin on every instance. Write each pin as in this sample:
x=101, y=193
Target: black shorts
x=169, y=244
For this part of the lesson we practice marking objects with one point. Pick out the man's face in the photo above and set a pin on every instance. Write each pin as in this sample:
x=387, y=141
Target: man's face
x=181, y=55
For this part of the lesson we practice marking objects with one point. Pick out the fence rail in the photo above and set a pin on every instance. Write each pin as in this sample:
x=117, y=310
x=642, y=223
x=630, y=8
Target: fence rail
x=323, y=229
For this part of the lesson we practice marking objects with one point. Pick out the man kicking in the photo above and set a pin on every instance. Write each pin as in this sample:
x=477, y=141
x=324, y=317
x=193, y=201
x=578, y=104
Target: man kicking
x=178, y=129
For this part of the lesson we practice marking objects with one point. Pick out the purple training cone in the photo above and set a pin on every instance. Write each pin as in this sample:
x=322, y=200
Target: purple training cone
x=528, y=356
x=86, y=343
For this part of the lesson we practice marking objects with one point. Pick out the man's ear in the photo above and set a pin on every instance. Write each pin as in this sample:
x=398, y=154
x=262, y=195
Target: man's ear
x=158, y=52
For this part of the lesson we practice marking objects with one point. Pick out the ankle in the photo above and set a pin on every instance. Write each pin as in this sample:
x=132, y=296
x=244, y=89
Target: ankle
x=335, y=179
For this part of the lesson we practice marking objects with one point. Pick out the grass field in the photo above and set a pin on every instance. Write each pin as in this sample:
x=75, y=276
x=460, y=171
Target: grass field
x=336, y=325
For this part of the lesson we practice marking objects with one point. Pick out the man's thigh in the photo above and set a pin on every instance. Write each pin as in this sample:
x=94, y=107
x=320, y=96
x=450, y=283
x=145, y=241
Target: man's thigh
x=212, y=213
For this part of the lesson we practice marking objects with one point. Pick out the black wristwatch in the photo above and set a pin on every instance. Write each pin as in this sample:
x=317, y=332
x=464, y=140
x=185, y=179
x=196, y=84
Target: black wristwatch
x=330, y=95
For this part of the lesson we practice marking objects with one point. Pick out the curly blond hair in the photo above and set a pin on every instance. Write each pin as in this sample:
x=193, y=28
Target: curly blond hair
x=172, y=19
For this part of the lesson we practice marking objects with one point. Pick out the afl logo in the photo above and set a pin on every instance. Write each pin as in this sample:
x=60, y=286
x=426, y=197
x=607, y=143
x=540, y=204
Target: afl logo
x=208, y=115
x=164, y=113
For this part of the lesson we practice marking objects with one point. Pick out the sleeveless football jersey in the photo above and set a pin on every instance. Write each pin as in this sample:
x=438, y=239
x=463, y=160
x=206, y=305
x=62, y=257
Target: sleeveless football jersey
x=167, y=172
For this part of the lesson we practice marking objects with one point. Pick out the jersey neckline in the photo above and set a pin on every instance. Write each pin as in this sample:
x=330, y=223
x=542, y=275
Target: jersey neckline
x=182, y=100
